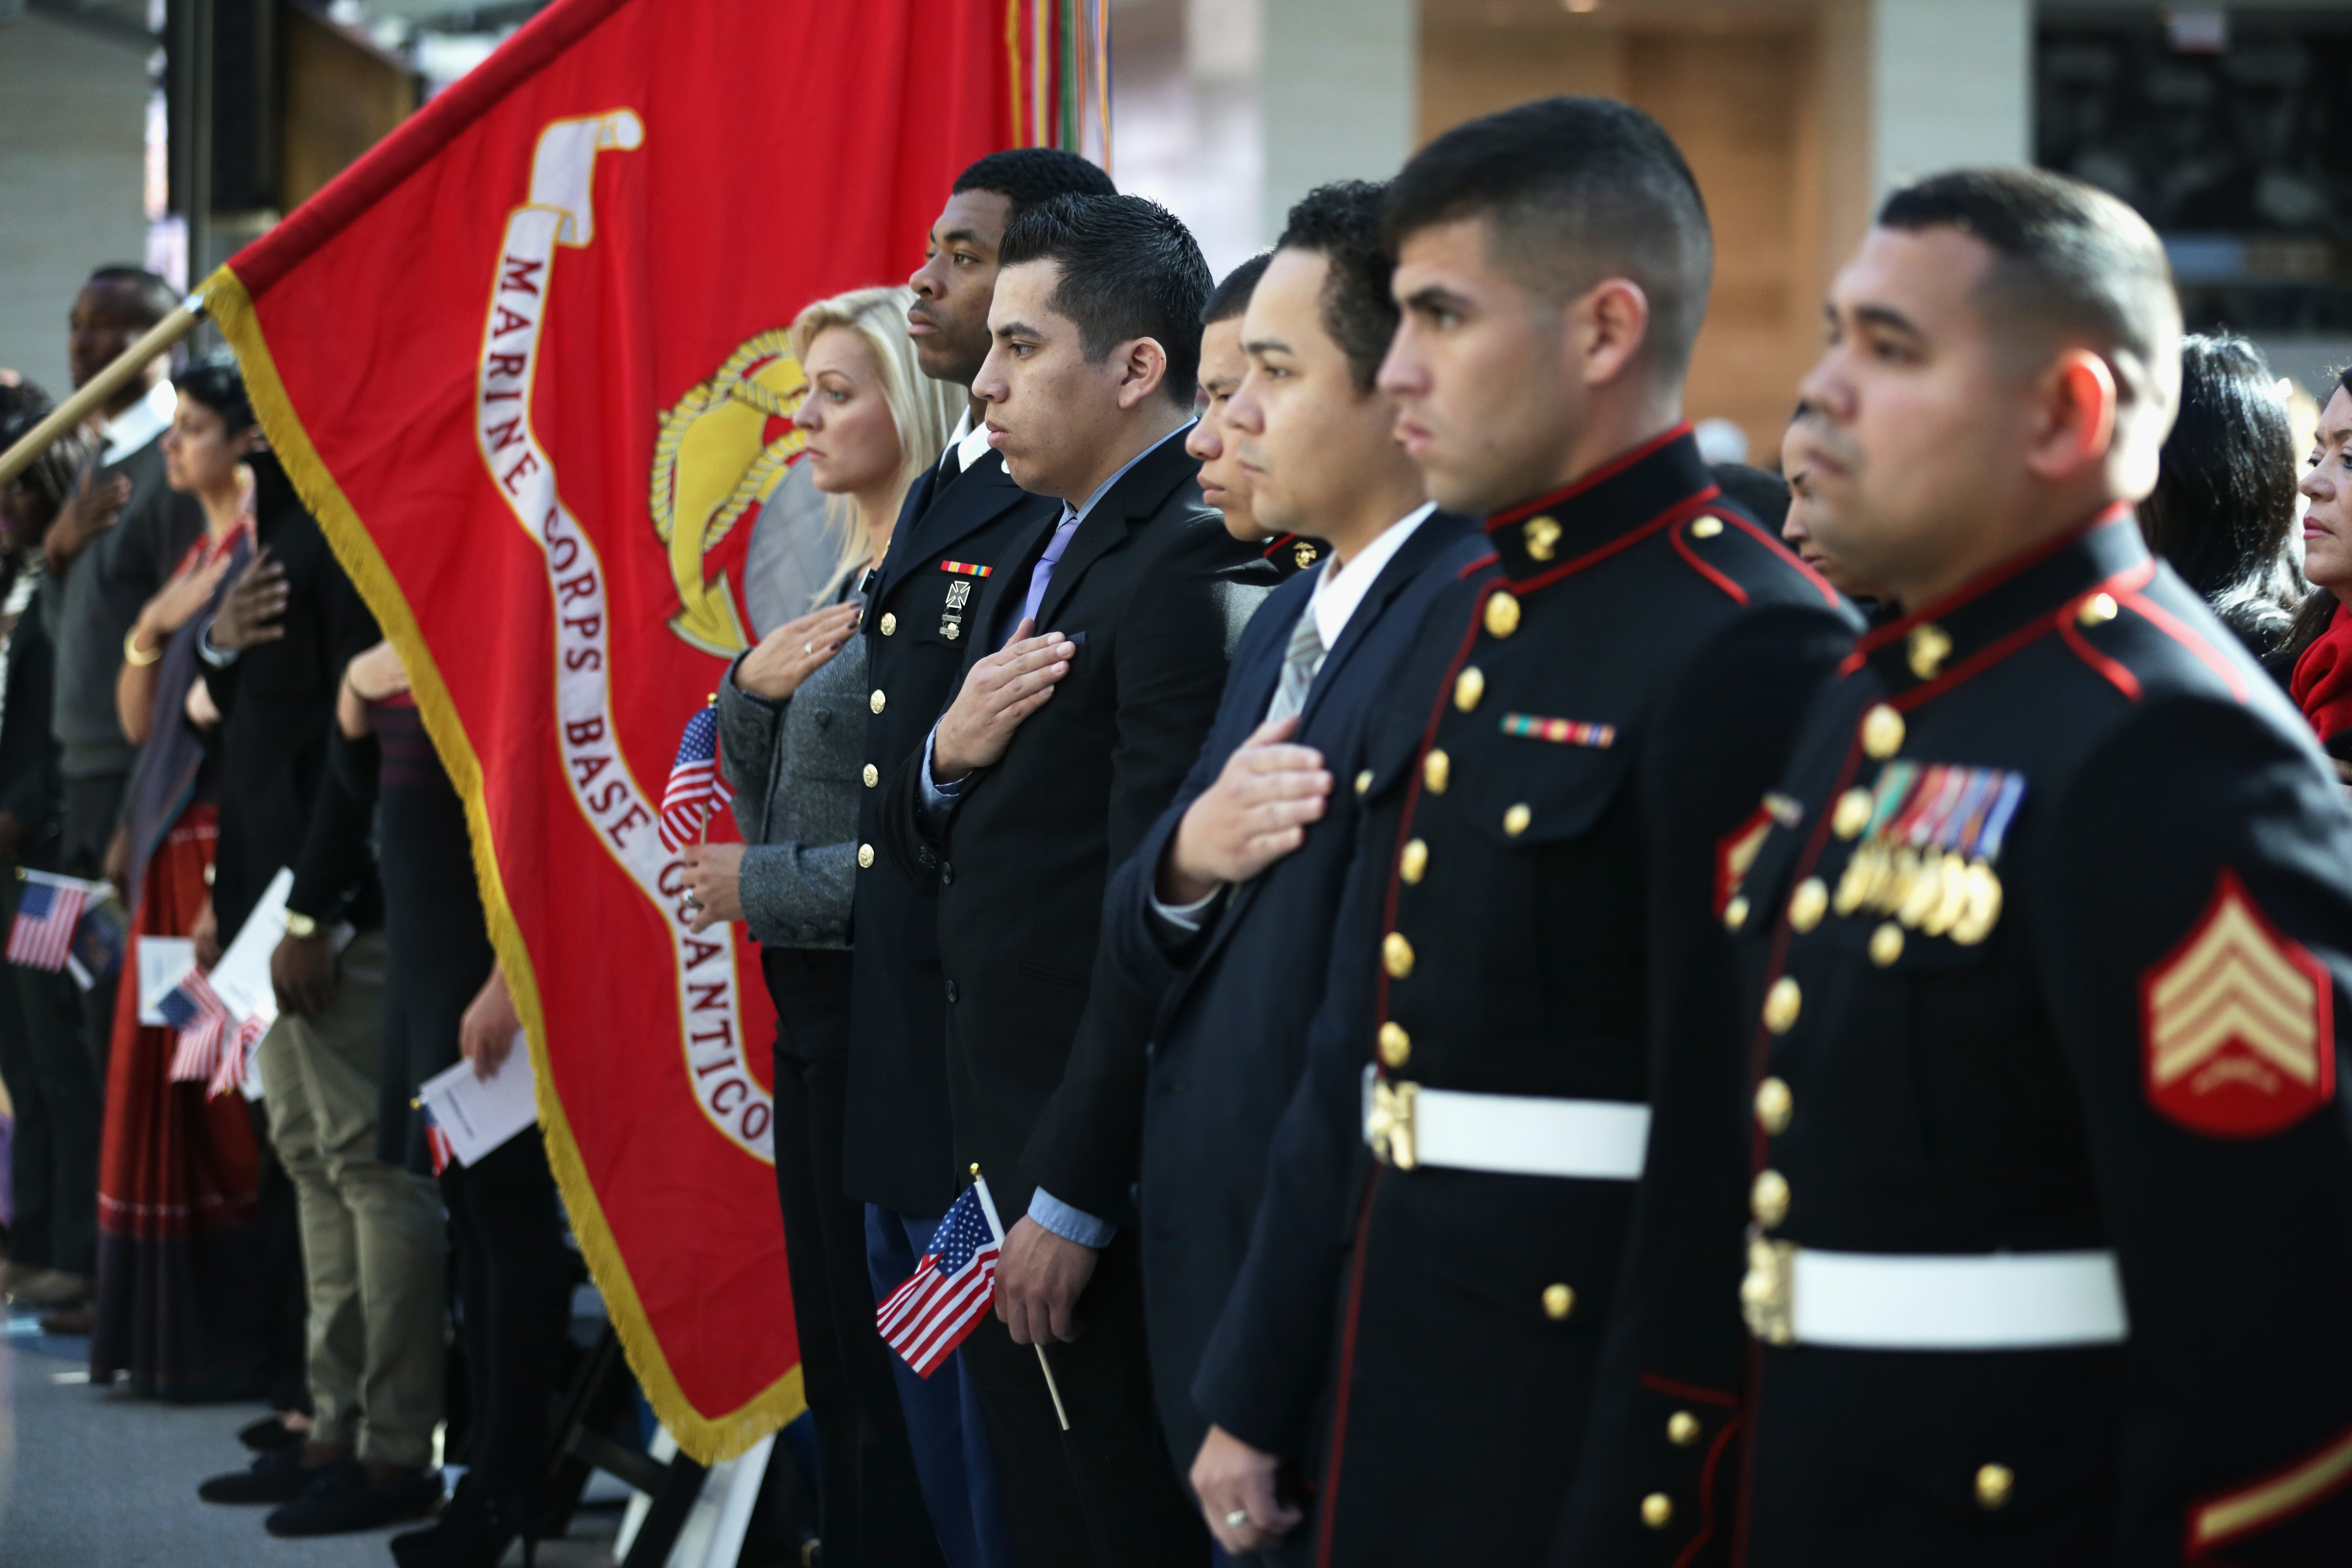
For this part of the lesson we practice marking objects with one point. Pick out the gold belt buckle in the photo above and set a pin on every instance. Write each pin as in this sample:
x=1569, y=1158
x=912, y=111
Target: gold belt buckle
x=1764, y=1294
x=1390, y=1129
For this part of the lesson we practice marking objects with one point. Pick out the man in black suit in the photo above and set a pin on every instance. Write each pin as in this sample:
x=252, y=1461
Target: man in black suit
x=1056, y=755
x=957, y=525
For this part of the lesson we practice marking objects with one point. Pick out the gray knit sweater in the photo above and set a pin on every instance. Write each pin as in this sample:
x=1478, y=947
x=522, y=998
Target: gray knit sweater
x=793, y=766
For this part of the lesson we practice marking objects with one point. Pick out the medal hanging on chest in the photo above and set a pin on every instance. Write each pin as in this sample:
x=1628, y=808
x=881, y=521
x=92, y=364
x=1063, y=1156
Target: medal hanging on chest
x=951, y=614
x=1926, y=851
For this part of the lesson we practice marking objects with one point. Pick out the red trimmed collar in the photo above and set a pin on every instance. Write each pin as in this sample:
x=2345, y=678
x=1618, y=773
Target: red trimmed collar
x=1628, y=490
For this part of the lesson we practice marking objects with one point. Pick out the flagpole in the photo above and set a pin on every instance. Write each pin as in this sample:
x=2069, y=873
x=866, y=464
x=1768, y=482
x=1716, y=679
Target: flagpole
x=996, y=1228
x=93, y=394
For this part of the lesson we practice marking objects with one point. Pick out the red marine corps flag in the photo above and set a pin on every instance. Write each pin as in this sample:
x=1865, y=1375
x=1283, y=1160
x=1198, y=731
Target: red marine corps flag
x=526, y=361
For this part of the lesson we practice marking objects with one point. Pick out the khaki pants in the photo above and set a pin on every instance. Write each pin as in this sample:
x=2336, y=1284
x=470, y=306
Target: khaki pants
x=373, y=1249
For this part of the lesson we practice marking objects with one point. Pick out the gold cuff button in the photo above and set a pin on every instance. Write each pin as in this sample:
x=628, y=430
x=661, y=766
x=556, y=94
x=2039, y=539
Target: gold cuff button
x=1396, y=1046
x=1468, y=687
x=1882, y=732
x=889, y=623
x=873, y=775
x=1558, y=1302
x=1706, y=527
x=2096, y=610
x=1886, y=944
x=1436, y=772
x=1768, y=1198
x=1774, y=1105
x=1994, y=1483
x=1515, y=820
x=1502, y=614
x=865, y=856
x=1735, y=913
x=1413, y=864
x=1396, y=956
x=1364, y=782
x=1782, y=1004
x=1853, y=813
x=1657, y=1511
x=878, y=701
x=1682, y=1430
x=1808, y=904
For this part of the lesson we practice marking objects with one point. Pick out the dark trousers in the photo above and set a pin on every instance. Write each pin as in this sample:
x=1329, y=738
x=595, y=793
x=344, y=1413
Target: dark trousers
x=515, y=1276
x=53, y=1153
x=1103, y=1494
x=92, y=808
x=944, y=1424
x=871, y=1508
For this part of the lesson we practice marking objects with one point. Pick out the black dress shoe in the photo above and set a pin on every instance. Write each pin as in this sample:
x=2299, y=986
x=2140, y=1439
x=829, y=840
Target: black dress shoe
x=474, y=1530
x=268, y=1433
x=340, y=1500
x=276, y=1477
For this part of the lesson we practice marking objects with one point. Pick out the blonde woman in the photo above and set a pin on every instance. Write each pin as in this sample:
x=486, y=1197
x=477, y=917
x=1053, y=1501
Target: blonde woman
x=791, y=718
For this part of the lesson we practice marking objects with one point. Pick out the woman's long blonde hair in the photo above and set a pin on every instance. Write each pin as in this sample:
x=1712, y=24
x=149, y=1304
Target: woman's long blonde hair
x=924, y=411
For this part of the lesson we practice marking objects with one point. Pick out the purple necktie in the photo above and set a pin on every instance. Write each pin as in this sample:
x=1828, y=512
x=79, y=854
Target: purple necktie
x=1043, y=577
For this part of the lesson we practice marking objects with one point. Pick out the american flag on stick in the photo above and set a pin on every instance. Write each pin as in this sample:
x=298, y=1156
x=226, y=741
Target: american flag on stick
x=230, y=1072
x=193, y=1009
x=941, y=1302
x=49, y=908
x=696, y=788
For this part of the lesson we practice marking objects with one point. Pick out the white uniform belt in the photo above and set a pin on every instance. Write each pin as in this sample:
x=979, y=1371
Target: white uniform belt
x=2002, y=1300
x=1512, y=1134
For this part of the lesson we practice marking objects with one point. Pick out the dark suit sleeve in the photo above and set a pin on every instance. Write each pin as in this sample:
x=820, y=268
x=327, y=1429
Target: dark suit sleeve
x=29, y=786
x=338, y=854
x=1719, y=738
x=2195, y=953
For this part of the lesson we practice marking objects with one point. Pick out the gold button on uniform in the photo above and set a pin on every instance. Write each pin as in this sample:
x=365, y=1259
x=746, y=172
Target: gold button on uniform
x=1768, y=1198
x=1682, y=1430
x=1774, y=1105
x=1364, y=782
x=1882, y=732
x=1396, y=956
x=1542, y=536
x=1515, y=820
x=1808, y=903
x=1706, y=528
x=1886, y=945
x=889, y=623
x=1927, y=648
x=1994, y=1483
x=1502, y=614
x=1414, y=861
x=1853, y=813
x=1437, y=769
x=878, y=701
x=1396, y=1046
x=1735, y=913
x=873, y=775
x=1657, y=1511
x=1782, y=1004
x=2097, y=609
x=1558, y=1302
x=865, y=856
x=1468, y=687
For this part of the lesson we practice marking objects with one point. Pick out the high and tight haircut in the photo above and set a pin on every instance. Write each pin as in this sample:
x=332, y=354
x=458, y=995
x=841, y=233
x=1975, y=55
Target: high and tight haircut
x=1340, y=222
x=216, y=382
x=1130, y=269
x=2071, y=264
x=1026, y=176
x=1231, y=298
x=1574, y=191
x=157, y=299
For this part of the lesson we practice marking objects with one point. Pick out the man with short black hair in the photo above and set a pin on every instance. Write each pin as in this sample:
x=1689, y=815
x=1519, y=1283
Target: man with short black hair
x=956, y=527
x=2049, y=1179
x=1046, y=770
x=1527, y=970
x=1222, y=365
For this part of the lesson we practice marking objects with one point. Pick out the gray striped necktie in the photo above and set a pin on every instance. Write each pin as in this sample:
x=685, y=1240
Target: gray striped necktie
x=1298, y=666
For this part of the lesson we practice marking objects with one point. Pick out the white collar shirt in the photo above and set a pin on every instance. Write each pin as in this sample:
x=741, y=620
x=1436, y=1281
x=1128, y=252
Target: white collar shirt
x=139, y=423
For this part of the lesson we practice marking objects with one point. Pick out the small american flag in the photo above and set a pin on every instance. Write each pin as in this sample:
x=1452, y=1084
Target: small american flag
x=48, y=910
x=925, y=1319
x=230, y=1073
x=436, y=1142
x=203, y=1024
x=696, y=788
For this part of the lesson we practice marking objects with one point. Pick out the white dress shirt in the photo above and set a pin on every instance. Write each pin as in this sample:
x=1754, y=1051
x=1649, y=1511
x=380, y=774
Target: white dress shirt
x=139, y=423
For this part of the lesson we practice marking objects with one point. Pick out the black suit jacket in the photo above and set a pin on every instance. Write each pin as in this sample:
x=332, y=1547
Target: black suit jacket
x=895, y=1149
x=30, y=789
x=1184, y=1108
x=1156, y=594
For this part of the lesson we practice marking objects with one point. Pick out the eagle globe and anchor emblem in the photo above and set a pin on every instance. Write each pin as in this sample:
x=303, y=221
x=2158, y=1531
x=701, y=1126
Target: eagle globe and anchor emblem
x=720, y=455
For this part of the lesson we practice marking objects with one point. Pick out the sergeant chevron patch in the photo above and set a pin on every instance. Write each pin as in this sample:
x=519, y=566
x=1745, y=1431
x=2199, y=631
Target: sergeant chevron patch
x=2237, y=1036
